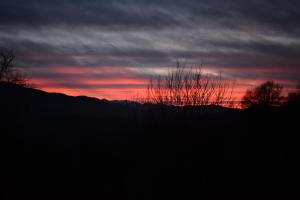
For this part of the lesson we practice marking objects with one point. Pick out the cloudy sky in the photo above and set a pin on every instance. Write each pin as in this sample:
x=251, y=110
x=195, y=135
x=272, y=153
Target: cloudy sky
x=110, y=48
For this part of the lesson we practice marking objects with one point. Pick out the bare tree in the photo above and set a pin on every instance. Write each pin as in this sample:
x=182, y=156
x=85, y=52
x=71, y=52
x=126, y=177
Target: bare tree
x=189, y=86
x=8, y=71
x=266, y=94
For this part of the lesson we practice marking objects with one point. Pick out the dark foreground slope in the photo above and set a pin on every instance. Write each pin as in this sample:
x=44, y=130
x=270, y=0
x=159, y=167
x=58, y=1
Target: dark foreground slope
x=58, y=147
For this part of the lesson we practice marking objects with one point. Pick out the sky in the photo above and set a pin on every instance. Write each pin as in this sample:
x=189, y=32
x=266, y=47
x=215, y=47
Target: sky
x=110, y=48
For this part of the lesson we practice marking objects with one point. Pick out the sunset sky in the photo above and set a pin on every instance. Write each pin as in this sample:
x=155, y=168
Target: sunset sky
x=110, y=48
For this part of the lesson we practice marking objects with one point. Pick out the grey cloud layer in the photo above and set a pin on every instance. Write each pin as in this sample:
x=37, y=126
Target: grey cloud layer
x=276, y=14
x=142, y=33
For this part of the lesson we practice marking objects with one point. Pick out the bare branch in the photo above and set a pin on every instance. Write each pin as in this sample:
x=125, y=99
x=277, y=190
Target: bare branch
x=189, y=86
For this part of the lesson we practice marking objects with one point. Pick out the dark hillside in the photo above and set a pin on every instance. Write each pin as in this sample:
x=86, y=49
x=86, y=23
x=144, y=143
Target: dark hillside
x=55, y=146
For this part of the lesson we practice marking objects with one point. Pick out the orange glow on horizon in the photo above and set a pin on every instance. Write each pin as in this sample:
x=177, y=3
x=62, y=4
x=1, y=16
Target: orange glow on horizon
x=121, y=83
x=109, y=94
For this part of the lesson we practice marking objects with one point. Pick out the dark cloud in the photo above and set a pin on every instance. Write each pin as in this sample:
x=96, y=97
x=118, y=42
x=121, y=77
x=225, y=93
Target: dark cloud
x=145, y=34
x=265, y=14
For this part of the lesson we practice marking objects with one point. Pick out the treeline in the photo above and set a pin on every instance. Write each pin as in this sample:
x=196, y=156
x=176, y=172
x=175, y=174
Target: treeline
x=190, y=86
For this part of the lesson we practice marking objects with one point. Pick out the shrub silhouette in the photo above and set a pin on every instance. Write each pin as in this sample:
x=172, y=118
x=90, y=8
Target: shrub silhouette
x=189, y=86
x=266, y=94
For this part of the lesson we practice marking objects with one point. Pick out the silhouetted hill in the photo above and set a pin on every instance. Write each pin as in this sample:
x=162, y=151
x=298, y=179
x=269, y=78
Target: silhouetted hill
x=54, y=103
x=55, y=146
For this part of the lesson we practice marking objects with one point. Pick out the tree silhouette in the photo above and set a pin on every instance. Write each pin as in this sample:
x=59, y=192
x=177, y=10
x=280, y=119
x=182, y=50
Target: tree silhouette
x=8, y=71
x=266, y=94
x=189, y=86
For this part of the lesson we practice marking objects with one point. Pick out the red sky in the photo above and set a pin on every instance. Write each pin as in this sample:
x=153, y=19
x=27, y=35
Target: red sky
x=123, y=83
